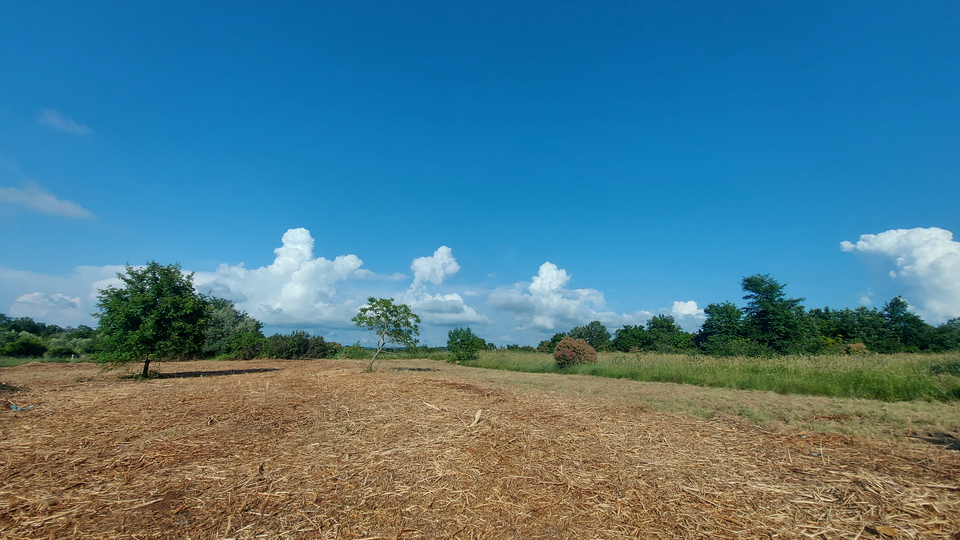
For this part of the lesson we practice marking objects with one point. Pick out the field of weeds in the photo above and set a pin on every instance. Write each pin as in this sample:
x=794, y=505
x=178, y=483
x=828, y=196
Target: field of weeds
x=423, y=449
x=887, y=377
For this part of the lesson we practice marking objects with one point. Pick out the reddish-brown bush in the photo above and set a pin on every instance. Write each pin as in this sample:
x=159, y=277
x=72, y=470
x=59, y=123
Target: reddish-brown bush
x=574, y=351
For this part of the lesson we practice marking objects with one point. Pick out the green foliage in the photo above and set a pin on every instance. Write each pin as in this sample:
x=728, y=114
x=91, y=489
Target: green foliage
x=571, y=352
x=392, y=323
x=355, y=352
x=226, y=321
x=777, y=322
x=25, y=346
x=298, y=345
x=666, y=336
x=550, y=345
x=630, y=338
x=156, y=315
x=595, y=334
x=901, y=377
x=245, y=345
x=464, y=345
x=61, y=352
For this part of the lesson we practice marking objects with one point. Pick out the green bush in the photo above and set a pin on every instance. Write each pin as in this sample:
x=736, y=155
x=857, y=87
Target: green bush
x=571, y=352
x=62, y=352
x=464, y=345
x=24, y=347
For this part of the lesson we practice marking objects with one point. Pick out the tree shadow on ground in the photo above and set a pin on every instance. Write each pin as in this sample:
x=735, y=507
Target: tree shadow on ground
x=189, y=374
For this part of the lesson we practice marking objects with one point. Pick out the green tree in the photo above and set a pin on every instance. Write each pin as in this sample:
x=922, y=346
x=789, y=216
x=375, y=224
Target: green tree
x=665, y=335
x=464, y=345
x=775, y=321
x=630, y=338
x=392, y=323
x=155, y=315
x=907, y=328
x=723, y=325
x=226, y=321
x=595, y=333
x=550, y=345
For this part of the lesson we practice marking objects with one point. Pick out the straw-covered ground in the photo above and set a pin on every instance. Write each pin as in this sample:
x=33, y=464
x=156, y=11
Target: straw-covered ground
x=281, y=449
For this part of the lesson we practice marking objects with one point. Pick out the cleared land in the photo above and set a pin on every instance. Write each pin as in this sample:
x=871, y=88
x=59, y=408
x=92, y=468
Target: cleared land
x=283, y=449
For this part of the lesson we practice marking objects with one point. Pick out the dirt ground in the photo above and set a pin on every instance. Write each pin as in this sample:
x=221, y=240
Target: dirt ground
x=284, y=449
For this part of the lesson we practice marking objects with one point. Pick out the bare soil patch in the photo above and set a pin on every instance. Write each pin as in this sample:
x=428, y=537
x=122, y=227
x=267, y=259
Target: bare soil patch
x=281, y=449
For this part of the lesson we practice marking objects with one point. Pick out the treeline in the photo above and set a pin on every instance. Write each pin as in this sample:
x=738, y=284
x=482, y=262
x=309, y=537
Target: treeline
x=228, y=334
x=772, y=324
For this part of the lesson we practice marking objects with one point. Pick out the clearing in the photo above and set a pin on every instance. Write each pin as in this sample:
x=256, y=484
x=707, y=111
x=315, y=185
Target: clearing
x=422, y=449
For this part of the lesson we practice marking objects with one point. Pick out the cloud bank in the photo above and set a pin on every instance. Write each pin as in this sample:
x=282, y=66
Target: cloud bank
x=299, y=289
x=35, y=198
x=927, y=262
x=53, y=118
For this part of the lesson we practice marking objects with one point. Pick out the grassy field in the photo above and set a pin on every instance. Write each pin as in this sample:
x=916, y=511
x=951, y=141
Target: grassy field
x=6, y=361
x=897, y=377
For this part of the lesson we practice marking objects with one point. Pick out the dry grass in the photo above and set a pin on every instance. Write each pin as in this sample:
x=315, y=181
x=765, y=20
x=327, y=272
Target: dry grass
x=319, y=450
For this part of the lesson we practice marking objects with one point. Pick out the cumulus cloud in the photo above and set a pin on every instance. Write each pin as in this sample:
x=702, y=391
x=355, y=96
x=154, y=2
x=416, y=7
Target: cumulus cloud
x=34, y=197
x=53, y=118
x=926, y=261
x=687, y=314
x=436, y=268
x=296, y=288
x=545, y=304
x=64, y=300
x=443, y=309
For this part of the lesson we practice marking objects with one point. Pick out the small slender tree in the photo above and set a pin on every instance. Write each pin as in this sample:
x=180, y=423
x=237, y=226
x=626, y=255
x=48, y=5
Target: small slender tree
x=392, y=323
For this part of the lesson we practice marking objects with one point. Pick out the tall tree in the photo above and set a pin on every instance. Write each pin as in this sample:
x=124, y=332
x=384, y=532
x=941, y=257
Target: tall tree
x=226, y=322
x=392, y=323
x=155, y=315
x=595, y=334
x=775, y=321
x=724, y=323
x=907, y=328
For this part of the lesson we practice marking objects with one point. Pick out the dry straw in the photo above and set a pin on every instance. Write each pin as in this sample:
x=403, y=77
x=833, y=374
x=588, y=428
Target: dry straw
x=319, y=450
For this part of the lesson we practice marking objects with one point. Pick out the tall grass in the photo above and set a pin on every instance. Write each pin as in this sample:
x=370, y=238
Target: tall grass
x=896, y=377
x=7, y=361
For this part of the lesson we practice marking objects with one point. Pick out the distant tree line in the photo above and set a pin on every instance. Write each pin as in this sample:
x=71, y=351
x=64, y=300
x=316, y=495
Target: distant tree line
x=773, y=324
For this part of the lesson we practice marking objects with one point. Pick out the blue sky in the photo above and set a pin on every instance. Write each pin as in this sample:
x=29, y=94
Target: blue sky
x=653, y=153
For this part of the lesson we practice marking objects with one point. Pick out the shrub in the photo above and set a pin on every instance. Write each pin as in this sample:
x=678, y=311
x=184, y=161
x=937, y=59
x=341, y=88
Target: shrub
x=464, y=345
x=571, y=351
x=62, y=352
x=856, y=349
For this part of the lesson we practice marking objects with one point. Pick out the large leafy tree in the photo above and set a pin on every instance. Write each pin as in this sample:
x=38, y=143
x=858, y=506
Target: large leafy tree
x=227, y=329
x=595, y=334
x=464, y=345
x=156, y=315
x=906, y=327
x=724, y=325
x=775, y=321
x=392, y=323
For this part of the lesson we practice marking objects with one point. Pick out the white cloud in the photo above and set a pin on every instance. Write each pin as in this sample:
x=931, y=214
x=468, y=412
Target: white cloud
x=34, y=197
x=687, y=314
x=64, y=300
x=546, y=305
x=295, y=289
x=436, y=268
x=443, y=309
x=927, y=262
x=54, y=119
